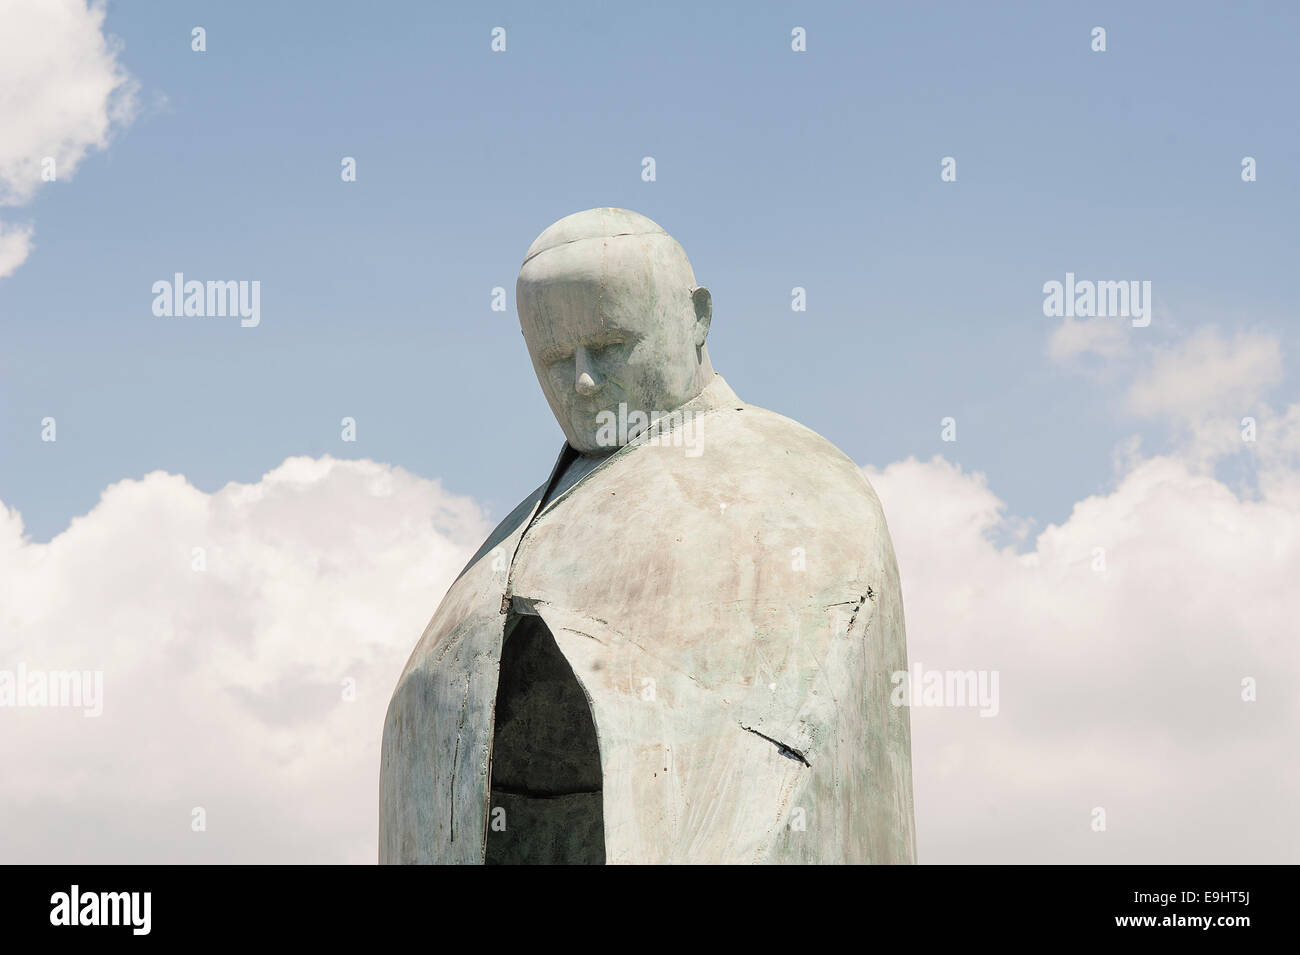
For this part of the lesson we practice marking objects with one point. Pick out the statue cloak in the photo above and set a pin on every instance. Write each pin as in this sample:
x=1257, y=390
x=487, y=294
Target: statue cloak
x=733, y=617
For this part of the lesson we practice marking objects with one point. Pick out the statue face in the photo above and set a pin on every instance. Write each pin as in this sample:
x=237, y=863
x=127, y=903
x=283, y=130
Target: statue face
x=609, y=322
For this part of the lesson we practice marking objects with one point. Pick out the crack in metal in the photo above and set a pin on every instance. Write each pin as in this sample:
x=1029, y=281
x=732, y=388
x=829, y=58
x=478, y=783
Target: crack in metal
x=789, y=752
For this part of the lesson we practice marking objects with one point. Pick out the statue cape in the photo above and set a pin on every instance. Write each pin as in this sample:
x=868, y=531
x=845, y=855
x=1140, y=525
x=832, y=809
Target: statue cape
x=733, y=617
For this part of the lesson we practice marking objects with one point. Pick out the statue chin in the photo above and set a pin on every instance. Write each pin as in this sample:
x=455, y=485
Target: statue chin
x=586, y=440
x=589, y=449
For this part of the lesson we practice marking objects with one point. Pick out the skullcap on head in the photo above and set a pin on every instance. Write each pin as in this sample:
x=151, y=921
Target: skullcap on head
x=600, y=223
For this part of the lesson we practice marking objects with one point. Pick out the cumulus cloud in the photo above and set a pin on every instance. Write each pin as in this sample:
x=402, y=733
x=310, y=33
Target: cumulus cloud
x=63, y=93
x=1121, y=637
x=223, y=686
x=1075, y=338
x=1207, y=375
x=15, y=245
x=1121, y=640
x=1210, y=391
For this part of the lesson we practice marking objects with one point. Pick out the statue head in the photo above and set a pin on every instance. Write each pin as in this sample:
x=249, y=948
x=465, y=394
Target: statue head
x=611, y=313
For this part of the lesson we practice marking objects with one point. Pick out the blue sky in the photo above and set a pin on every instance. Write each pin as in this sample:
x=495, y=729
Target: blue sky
x=775, y=169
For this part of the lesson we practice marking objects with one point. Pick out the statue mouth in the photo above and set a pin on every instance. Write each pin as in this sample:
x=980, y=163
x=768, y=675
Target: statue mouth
x=584, y=420
x=586, y=413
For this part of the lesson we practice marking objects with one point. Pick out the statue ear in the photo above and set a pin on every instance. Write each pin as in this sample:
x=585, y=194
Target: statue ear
x=703, y=313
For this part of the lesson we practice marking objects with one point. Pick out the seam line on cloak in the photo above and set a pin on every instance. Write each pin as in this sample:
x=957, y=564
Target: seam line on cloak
x=561, y=464
x=556, y=472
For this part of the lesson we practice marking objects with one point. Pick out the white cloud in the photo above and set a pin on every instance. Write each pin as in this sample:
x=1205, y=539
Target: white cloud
x=1208, y=375
x=1119, y=688
x=63, y=92
x=222, y=688
x=15, y=244
x=1207, y=388
x=1078, y=337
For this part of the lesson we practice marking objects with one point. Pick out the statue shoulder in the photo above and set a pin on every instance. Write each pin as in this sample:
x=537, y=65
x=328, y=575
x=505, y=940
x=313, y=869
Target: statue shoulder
x=787, y=452
x=508, y=526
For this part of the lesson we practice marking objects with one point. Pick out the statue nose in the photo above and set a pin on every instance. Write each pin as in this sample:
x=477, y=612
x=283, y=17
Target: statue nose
x=585, y=385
